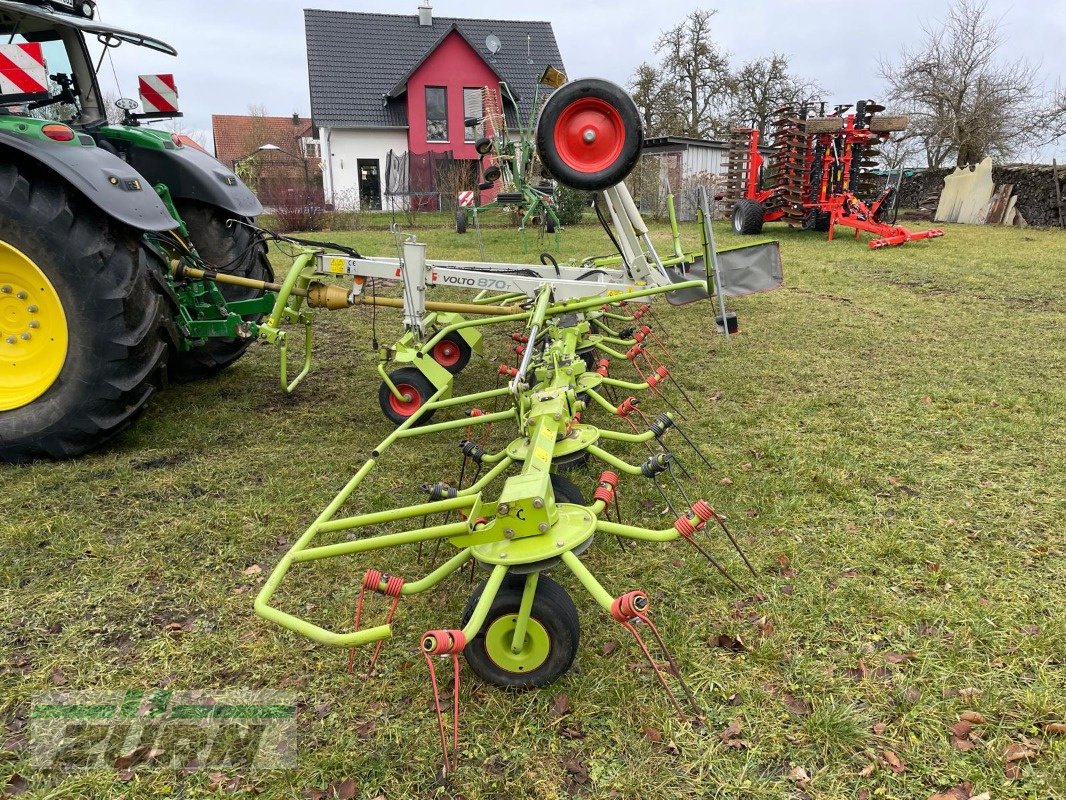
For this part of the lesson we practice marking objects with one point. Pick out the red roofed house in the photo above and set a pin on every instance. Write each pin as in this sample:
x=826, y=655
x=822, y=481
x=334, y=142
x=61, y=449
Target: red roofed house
x=278, y=171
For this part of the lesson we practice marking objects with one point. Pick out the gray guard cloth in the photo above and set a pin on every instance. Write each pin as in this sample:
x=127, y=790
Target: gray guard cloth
x=744, y=270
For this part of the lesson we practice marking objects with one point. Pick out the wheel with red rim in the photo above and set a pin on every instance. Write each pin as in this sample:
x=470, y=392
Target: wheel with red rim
x=589, y=134
x=452, y=352
x=416, y=390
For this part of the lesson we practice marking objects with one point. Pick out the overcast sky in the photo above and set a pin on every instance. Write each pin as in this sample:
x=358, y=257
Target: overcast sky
x=236, y=53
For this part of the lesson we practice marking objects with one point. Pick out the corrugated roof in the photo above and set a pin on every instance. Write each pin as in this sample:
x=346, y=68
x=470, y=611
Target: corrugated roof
x=355, y=59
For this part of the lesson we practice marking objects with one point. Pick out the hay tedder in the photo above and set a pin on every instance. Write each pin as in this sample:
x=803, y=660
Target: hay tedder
x=818, y=175
x=513, y=511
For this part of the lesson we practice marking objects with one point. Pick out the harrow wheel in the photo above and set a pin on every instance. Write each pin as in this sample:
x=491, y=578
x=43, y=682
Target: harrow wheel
x=551, y=640
x=417, y=389
x=747, y=217
x=452, y=352
x=589, y=134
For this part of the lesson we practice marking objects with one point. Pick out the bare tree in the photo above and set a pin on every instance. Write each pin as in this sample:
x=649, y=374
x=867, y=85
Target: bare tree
x=658, y=99
x=699, y=70
x=965, y=101
x=763, y=85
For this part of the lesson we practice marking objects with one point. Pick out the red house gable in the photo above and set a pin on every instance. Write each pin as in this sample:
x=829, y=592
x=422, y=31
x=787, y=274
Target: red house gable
x=454, y=65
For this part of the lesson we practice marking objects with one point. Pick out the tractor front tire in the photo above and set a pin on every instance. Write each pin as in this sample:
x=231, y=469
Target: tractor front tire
x=231, y=249
x=82, y=325
x=552, y=636
x=748, y=217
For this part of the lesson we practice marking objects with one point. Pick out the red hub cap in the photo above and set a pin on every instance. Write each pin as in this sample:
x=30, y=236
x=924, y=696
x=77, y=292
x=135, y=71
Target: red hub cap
x=405, y=408
x=589, y=135
x=446, y=353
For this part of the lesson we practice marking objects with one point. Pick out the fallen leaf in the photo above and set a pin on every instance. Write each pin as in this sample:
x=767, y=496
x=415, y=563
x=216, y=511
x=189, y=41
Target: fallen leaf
x=652, y=734
x=1055, y=727
x=1018, y=752
x=674, y=750
x=345, y=790
x=726, y=481
x=57, y=677
x=311, y=793
x=960, y=792
x=895, y=763
x=800, y=776
x=795, y=704
x=254, y=569
x=560, y=706
x=16, y=785
x=576, y=767
x=912, y=695
x=927, y=400
x=969, y=694
x=962, y=745
x=752, y=512
x=932, y=566
x=879, y=728
x=323, y=711
x=962, y=729
x=982, y=796
x=868, y=770
x=609, y=648
x=572, y=731
x=1032, y=630
x=898, y=658
x=785, y=588
x=972, y=717
x=734, y=644
x=732, y=730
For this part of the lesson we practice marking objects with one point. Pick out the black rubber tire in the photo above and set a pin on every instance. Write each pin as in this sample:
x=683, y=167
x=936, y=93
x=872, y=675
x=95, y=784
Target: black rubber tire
x=230, y=249
x=483, y=145
x=566, y=490
x=552, y=608
x=115, y=316
x=549, y=224
x=817, y=221
x=633, y=134
x=460, y=221
x=417, y=383
x=588, y=355
x=464, y=353
x=747, y=217
x=492, y=174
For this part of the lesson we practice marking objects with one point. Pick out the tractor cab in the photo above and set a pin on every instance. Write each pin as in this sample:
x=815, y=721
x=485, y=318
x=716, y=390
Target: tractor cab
x=50, y=55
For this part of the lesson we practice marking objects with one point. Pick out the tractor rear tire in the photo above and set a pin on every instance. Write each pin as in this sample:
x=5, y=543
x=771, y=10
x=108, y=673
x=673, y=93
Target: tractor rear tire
x=748, y=217
x=552, y=637
x=82, y=324
x=460, y=221
x=233, y=250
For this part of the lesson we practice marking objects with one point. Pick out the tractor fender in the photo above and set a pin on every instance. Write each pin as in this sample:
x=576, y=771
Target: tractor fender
x=104, y=179
x=193, y=174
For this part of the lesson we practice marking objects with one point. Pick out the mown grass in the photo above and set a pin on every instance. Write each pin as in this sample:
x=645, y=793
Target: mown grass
x=887, y=434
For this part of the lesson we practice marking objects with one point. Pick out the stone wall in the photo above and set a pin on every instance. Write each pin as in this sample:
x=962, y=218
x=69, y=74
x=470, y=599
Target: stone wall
x=1034, y=186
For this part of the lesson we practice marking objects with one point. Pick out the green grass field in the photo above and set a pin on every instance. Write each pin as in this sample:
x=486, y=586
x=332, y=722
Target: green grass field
x=888, y=440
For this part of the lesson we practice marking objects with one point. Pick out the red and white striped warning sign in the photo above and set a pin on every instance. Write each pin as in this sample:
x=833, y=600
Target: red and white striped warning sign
x=22, y=69
x=466, y=199
x=159, y=94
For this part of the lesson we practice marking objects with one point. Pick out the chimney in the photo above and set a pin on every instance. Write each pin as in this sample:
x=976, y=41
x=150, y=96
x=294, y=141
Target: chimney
x=425, y=14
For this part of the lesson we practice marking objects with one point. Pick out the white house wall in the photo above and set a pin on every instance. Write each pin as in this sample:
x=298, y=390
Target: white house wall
x=341, y=149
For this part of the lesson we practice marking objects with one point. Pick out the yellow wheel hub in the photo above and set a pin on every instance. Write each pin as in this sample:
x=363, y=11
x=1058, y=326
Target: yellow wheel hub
x=33, y=330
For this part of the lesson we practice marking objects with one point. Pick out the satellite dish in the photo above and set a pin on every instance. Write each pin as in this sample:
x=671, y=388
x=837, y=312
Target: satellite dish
x=493, y=43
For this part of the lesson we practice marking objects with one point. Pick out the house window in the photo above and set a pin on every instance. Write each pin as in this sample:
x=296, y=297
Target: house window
x=311, y=147
x=473, y=109
x=436, y=114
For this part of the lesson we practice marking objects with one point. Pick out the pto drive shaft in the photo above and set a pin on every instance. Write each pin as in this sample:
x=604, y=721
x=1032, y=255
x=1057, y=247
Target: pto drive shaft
x=330, y=296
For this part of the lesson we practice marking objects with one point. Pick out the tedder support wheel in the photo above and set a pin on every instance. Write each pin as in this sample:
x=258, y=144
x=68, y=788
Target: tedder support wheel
x=589, y=134
x=460, y=221
x=233, y=249
x=81, y=322
x=452, y=352
x=748, y=217
x=417, y=389
x=551, y=638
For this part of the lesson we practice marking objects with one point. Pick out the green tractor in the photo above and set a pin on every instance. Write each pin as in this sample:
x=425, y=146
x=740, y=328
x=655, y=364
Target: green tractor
x=97, y=221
